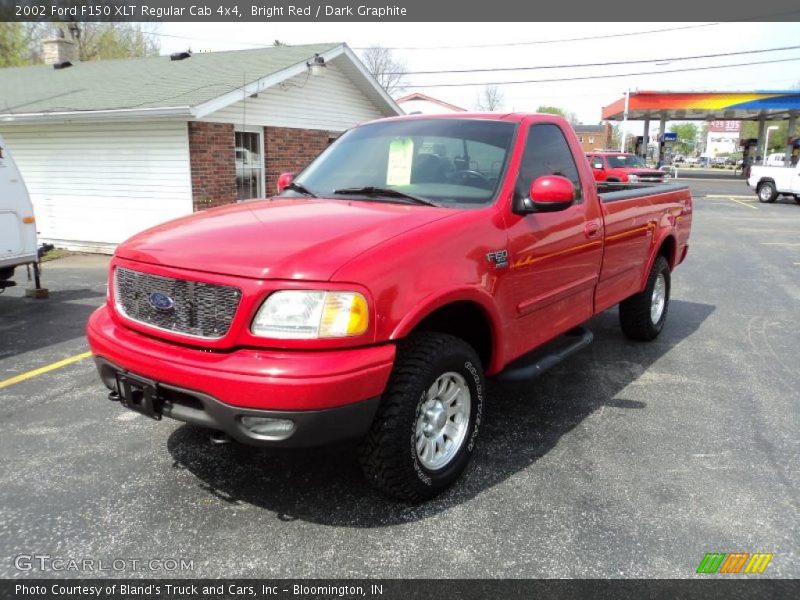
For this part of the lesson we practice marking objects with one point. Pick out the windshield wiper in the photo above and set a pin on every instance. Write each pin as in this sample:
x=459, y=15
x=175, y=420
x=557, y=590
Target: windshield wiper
x=299, y=187
x=371, y=190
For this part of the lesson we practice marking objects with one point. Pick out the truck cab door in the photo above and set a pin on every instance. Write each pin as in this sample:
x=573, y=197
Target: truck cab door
x=554, y=257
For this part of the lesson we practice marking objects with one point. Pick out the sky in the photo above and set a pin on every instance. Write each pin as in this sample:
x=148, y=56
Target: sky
x=438, y=46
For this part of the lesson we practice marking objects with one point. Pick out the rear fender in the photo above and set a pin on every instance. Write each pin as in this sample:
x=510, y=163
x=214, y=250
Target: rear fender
x=664, y=235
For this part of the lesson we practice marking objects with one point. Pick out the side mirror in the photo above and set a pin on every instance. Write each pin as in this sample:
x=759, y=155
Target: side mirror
x=549, y=193
x=284, y=180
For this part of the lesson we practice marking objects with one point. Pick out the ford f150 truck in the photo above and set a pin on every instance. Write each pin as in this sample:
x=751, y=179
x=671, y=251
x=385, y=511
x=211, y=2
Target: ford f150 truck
x=622, y=168
x=769, y=182
x=369, y=299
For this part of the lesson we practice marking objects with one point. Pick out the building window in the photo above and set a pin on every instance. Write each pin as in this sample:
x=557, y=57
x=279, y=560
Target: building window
x=249, y=165
x=580, y=139
x=591, y=139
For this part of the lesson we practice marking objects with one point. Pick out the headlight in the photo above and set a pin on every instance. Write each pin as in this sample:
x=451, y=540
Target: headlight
x=633, y=178
x=301, y=314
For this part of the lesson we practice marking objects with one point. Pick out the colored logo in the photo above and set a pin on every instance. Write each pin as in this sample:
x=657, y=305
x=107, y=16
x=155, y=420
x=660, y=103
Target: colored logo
x=160, y=301
x=734, y=563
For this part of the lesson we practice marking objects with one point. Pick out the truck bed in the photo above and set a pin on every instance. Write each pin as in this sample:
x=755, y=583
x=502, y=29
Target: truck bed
x=613, y=191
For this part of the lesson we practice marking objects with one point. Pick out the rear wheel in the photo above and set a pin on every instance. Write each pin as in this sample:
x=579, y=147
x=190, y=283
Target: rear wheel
x=426, y=426
x=767, y=192
x=643, y=315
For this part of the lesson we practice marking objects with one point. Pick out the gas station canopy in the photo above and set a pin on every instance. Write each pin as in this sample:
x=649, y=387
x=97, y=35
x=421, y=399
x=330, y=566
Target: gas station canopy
x=705, y=106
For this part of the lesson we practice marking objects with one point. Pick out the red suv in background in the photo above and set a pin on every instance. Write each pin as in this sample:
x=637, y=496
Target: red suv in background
x=622, y=167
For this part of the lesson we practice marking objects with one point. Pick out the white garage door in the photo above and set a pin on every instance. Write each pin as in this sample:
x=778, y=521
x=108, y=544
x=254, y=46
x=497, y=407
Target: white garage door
x=94, y=185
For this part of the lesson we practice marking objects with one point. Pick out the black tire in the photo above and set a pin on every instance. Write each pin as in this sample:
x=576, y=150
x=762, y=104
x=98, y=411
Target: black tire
x=388, y=454
x=766, y=192
x=6, y=273
x=635, y=312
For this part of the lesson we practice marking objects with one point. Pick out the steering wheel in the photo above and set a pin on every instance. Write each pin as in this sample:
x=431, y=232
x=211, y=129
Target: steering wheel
x=467, y=175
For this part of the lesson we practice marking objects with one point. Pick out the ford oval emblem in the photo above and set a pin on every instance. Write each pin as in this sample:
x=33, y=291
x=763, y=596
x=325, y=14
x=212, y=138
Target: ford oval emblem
x=160, y=301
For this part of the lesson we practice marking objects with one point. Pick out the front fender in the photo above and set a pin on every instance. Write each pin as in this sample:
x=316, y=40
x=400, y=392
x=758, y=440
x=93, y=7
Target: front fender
x=433, y=302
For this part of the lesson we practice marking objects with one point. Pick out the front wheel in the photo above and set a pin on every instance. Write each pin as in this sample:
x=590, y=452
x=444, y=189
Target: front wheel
x=429, y=417
x=767, y=192
x=642, y=316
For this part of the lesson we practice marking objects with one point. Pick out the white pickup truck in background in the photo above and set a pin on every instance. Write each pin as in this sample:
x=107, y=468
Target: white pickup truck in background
x=17, y=225
x=770, y=182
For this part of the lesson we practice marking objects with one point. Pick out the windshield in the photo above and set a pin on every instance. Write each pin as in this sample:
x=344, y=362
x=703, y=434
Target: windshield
x=625, y=161
x=449, y=162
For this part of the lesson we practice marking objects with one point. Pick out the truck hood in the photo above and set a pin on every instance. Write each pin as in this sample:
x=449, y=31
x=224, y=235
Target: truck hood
x=306, y=239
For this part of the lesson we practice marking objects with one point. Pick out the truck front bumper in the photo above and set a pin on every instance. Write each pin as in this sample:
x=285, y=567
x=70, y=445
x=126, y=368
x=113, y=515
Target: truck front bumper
x=328, y=396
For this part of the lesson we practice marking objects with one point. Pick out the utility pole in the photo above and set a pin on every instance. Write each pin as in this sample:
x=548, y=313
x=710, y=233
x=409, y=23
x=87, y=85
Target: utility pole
x=625, y=121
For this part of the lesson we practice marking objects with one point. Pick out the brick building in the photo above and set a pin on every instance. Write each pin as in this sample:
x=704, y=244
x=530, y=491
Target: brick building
x=108, y=148
x=594, y=137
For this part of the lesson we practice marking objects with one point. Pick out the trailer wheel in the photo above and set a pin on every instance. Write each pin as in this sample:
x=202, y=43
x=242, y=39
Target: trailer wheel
x=642, y=316
x=767, y=192
x=428, y=420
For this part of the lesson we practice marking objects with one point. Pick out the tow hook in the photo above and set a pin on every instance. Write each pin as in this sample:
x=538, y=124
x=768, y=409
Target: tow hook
x=219, y=438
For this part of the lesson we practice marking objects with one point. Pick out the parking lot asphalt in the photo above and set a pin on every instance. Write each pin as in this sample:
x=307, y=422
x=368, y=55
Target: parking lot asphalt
x=627, y=460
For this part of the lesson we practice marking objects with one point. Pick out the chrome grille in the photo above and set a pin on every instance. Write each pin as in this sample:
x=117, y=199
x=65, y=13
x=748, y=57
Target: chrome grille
x=195, y=308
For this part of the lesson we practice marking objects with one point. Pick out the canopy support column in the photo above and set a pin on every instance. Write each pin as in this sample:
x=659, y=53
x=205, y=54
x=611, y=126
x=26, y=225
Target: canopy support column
x=789, y=136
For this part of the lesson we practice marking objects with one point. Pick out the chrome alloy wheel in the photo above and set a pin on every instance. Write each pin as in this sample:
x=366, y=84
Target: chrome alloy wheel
x=659, y=299
x=443, y=421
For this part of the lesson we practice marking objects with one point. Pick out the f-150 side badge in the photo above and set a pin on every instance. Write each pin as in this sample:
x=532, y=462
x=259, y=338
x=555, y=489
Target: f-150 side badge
x=499, y=258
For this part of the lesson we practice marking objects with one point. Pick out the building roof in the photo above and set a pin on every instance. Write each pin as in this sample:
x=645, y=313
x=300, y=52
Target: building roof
x=581, y=128
x=418, y=96
x=705, y=106
x=158, y=85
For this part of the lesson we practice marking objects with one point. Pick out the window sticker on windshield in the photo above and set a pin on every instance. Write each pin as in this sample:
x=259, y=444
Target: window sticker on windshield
x=401, y=153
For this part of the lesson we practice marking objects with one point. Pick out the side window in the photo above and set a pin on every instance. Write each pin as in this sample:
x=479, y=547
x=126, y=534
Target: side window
x=547, y=153
x=596, y=162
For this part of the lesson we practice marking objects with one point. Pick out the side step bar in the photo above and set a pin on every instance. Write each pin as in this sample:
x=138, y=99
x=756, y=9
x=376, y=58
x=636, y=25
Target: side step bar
x=540, y=360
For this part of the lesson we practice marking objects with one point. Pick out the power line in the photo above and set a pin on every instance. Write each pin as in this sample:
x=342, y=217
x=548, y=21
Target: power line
x=600, y=64
x=746, y=64
x=465, y=46
x=538, y=42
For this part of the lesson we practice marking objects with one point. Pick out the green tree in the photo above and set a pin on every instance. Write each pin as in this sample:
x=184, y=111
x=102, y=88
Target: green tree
x=556, y=110
x=777, y=137
x=21, y=43
x=103, y=41
x=687, y=137
x=13, y=47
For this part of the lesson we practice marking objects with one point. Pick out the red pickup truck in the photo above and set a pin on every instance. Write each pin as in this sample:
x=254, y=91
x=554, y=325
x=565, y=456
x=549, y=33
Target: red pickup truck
x=369, y=299
x=620, y=167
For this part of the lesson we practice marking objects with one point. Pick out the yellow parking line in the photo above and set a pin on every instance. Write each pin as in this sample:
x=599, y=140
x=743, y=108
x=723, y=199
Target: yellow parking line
x=747, y=204
x=45, y=369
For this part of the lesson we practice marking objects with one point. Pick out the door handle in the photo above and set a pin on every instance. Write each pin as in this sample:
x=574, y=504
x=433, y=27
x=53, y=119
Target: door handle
x=592, y=229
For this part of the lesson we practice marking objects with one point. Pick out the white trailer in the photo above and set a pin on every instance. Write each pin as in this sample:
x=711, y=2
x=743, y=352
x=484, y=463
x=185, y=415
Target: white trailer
x=17, y=223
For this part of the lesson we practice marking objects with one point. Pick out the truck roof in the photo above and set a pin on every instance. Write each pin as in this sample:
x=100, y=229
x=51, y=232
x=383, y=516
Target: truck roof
x=492, y=116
